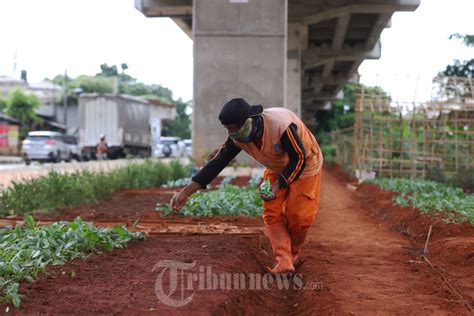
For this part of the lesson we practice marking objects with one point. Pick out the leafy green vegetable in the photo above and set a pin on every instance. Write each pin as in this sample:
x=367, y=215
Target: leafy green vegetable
x=229, y=200
x=177, y=183
x=266, y=188
x=26, y=251
x=429, y=196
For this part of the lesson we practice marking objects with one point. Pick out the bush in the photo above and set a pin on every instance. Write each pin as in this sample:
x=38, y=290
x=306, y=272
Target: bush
x=57, y=190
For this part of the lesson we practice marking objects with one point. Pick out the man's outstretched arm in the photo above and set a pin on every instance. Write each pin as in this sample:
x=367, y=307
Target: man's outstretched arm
x=224, y=156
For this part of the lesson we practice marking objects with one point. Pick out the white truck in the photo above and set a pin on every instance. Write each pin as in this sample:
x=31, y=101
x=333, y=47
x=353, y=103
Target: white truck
x=123, y=119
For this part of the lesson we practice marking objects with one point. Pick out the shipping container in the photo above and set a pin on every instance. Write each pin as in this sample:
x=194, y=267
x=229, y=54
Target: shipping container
x=123, y=119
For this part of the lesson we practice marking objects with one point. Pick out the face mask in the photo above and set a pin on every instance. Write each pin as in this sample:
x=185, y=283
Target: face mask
x=243, y=133
x=248, y=131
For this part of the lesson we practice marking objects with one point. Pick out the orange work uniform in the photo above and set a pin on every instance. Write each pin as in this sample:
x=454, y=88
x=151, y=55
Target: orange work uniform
x=299, y=201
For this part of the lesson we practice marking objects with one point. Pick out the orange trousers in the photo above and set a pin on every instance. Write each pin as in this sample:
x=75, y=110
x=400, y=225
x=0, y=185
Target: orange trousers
x=297, y=204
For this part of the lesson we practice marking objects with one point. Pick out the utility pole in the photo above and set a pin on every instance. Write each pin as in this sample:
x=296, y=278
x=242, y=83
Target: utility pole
x=65, y=99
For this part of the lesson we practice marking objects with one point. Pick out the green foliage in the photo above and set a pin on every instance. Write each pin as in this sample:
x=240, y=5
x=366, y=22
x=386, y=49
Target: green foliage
x=467, y=39
x=24, y=75
x=103, y=82
x=430, y=196
x=90, y=84
x=177, y=183
x=340, y=116
x=329, y=152
x=464, y=68
x=57, y=190
x=229, y=200
x=3, y=105
x=465, y=179
x=266, y=188
x=22, y=106
x=180, y=127
x=26, y=251
x=108, y=71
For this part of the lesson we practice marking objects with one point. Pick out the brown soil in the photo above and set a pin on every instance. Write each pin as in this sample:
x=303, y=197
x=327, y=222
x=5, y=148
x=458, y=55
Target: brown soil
x=359, y=259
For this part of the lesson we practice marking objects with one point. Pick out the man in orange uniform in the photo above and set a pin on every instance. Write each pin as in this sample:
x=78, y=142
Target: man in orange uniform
x=281, y=142
x=101, y=148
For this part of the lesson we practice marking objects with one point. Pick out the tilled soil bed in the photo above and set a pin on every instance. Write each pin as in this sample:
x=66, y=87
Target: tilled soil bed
x=358, y=260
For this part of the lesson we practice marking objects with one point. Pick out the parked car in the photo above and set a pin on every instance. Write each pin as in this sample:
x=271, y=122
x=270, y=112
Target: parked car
x=74, y=148
x=170, y=147
x=189, y=147
x=45, y=146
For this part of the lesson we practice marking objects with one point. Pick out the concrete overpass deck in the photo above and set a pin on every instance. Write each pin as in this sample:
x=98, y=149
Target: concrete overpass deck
x=311, y=48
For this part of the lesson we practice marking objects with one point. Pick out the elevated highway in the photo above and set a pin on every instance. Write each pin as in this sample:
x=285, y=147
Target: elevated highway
x=293, y=53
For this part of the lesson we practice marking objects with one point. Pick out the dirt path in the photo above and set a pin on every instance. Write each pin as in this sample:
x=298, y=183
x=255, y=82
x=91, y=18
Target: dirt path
x=353, y=264
x=363, y=264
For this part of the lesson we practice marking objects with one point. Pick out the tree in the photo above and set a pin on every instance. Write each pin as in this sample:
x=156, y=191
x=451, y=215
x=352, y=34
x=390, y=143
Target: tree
x=467, y=39
x=103, y=82
x=108, y=71
x=24, y=75
x=22, y=106
x=124, y=67
x=3, y=105
x=90, y=84
x=463, y=68
x=459, y=68
x=341, y=115
x=180, y=127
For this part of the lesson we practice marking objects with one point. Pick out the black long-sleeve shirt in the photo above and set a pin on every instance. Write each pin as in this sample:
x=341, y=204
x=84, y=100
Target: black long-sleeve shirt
x=291, y=143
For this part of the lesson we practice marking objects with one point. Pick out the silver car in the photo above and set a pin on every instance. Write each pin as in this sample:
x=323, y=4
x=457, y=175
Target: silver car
x=45, y=146
x=189, y=147
x=169, y=147
x=74, y=148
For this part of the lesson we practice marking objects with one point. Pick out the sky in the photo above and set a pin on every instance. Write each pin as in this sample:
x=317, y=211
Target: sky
x=51, y=36
x=416, y=47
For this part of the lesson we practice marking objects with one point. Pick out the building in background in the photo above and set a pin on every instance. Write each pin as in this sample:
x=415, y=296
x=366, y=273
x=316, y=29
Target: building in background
x=159, y=111
x=49, y=94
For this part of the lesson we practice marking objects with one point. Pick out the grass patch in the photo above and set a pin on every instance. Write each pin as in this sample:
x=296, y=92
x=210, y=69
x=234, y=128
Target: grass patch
x=431, y=196
x=57, y=190
x=26, y=251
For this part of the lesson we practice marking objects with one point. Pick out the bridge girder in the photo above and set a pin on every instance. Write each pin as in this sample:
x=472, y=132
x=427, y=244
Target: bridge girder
x=336, y=37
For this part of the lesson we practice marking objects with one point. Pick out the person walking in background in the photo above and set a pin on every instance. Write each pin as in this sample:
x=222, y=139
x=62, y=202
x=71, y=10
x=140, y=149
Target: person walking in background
x=280, y=141
x=101, y=148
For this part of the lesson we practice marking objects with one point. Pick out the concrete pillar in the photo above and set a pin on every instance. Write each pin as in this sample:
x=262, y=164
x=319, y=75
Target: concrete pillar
x=293, y=88
x=239, y=51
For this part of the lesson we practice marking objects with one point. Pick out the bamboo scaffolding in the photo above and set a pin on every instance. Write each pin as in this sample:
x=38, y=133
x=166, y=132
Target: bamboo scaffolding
x=437, y=136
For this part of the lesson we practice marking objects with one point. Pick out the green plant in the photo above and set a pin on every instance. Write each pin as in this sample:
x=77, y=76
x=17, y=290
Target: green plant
x=266, y=188
x=177, y=183
x=57, y=190
x=26, y=251
x=430, y=196
x=229, y=200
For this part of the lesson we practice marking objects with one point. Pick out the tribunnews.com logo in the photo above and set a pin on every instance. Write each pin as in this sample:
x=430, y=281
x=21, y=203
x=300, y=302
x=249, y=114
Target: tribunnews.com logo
x=177, y=282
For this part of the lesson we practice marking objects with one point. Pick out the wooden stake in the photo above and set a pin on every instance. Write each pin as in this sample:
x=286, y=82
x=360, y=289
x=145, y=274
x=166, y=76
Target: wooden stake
x=425, y=251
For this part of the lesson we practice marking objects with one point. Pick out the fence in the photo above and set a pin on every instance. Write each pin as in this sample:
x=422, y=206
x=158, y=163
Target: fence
x=393, y=139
